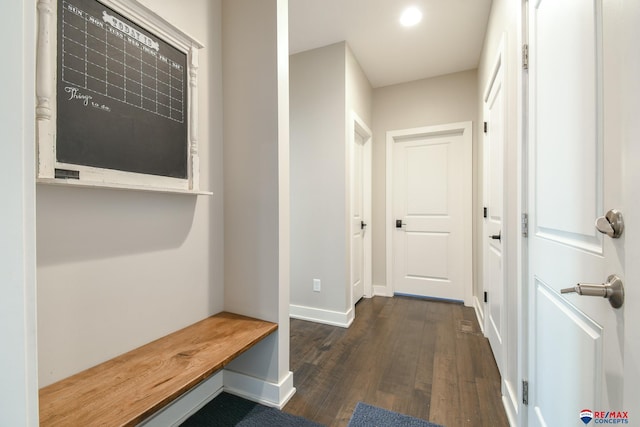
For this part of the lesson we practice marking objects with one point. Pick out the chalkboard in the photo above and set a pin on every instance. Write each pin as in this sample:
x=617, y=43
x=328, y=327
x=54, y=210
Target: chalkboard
x=121, y=94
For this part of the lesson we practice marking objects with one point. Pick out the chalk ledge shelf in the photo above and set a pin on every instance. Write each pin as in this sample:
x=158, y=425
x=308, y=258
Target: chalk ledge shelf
x=114, y=186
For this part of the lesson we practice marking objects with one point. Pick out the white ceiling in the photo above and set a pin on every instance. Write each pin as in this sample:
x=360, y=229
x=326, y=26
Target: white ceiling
x=449, y=38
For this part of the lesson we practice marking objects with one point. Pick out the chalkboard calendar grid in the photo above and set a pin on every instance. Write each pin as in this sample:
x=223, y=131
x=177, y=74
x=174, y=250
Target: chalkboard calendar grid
x=116, y=98
x=99, y=57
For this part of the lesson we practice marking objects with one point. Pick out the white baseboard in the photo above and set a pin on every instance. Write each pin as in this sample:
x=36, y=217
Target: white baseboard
x=188, y=404
x=479, y=309
x=510, y=402
x=382, y=291
x=318, y=315
x=260, y=391
x=250, y=388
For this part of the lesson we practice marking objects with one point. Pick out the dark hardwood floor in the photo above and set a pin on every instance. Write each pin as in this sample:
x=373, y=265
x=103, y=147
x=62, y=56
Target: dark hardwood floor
x=421, y=358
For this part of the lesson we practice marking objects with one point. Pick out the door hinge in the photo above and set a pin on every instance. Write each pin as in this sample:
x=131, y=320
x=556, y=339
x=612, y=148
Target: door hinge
x=486, y=296
x=525, y=225
x=525, y=56
x=486, y=127
x=525, y=392
x=485, y=212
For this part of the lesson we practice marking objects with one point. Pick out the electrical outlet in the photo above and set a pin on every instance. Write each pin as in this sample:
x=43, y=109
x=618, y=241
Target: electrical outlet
x=316, y=285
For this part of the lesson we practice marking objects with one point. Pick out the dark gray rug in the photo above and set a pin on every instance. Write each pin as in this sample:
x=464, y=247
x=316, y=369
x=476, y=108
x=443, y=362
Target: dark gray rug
x=372, y=416
x=228, y=410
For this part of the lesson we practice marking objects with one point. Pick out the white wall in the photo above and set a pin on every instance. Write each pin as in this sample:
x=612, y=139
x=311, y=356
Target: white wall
x=359, y=93
x=439, y=100
x=18, y=357
x=256, y=181
x=117, y=269
x=326, y=85
x=318, y=108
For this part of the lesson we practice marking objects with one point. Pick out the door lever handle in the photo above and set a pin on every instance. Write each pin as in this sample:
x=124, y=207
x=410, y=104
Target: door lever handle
x=363, y=225
x=611, y=224
x=613, y=290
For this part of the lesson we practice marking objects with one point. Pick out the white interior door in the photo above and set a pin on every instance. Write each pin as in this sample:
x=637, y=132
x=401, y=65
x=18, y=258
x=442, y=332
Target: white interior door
x=628, y=36
x=360, y=211
x=358, y=224
x=494, y=239
x=431, y=212
x=575, y=342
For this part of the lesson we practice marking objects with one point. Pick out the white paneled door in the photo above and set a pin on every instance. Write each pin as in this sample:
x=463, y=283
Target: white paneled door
x=360, y=210
x=493, y=228
x=358, y=224
x=431, y=211
x=575, y=341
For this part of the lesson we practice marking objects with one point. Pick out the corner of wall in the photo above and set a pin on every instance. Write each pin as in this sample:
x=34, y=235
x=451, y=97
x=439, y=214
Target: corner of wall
x=18, y=324
x=318, y=169
x=256, y=183
x=273, y=394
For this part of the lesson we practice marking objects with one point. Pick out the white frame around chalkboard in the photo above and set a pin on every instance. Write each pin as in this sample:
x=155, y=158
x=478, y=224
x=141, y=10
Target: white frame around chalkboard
x=46, y=60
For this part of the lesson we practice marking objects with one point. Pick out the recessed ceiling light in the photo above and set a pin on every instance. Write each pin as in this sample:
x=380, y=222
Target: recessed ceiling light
x=410, y=17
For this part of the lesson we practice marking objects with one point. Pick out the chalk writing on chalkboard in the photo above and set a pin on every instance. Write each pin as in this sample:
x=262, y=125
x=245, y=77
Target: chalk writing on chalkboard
x=121, y=94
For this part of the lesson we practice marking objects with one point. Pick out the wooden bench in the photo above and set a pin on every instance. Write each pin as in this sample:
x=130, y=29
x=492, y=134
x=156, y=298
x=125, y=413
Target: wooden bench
x=129, y=388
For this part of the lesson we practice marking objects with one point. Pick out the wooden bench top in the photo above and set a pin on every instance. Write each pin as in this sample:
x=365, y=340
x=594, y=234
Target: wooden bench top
x=129, y=388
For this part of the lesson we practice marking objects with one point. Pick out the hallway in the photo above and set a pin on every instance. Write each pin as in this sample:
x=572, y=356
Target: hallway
x=422, y=358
